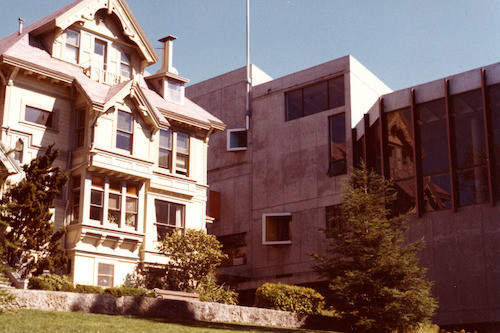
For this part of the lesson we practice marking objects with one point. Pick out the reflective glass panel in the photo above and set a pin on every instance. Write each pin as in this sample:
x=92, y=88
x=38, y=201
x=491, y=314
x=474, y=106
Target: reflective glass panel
x=293, y=104
x=436, y=192
x=400, y=144
x=337, y=144
x=433, y=136
x=336, y=92
x=470, y=140
x=38, y=116
x=124, y=121
x=473, y=185
x=315, y=98
x=182, y=143
x=166, y=139
x=123, y=140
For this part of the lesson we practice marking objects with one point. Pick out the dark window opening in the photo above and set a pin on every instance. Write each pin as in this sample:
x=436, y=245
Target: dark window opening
x=337, y=144
x=315, y=98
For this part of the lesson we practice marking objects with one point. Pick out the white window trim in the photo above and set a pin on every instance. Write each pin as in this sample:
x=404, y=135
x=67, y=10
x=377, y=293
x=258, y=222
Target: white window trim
x=264, y=241
x=228, y=139
x=34, y=105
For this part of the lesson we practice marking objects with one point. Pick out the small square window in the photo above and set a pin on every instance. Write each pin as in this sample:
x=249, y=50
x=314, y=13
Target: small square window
x=277, y=228
x=105, y=275
x=237, y=139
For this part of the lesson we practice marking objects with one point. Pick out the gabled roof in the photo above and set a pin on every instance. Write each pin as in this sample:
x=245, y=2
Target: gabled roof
x=26, y=52
x=82, y=10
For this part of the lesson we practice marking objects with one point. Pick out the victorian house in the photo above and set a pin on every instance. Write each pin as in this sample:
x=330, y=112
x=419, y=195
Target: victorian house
x=134, y=148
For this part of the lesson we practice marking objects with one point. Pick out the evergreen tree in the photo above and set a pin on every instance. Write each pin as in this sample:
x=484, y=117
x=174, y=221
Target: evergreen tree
x=31, y=242
x=375, y=279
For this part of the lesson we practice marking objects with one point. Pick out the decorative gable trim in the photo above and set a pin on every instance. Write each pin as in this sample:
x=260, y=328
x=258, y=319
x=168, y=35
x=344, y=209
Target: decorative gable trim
x=86, y=10
x=134, y=91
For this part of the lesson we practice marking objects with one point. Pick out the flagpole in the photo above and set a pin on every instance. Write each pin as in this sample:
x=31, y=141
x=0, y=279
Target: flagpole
x=248, y=79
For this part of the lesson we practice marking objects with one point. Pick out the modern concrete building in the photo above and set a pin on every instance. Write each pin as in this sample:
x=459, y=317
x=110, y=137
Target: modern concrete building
x=276, y=184
x=134, y=148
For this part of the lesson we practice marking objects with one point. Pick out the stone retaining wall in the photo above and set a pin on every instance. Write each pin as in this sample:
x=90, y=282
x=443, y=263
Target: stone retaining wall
x=170, y=309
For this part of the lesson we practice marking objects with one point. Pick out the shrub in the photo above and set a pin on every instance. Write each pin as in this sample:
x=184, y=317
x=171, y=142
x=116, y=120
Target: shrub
x=86, y=289
x=289, y=298
x=127, y=291
x=6, y=300
x=51, y=282
x=210, y=291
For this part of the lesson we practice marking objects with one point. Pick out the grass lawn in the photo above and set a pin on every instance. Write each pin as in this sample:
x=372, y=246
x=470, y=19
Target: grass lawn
x=51, y=321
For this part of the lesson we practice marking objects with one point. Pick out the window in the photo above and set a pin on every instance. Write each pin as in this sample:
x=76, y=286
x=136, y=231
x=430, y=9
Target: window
x=72, y=47
x=182, y=154
x=436, y=181
x=75, y=193
x=119, y=195
x=114, y=202
x=336, y=125
x=165, y=152
x=174, y=91
x=80, y=128
x=169, y=218
x=125, y=65
x=179, y=156
x=315, y=98
x=97, y=198
x=124, y=132
x=100, y=54
x=131, y=203
x=276, y=228
x=470, y=145
x=333, y=223
x=236, y=139
x=494, y=107
x=235, y=247
x=19, y=151
x=105, y=275
x=38, y=116
x=400, y=153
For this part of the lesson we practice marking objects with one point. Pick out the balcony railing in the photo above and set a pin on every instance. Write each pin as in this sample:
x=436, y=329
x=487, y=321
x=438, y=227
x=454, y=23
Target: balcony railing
x=97, y=73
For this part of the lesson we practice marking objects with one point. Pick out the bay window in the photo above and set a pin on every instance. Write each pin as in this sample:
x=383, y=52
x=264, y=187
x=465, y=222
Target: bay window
x=115, y=199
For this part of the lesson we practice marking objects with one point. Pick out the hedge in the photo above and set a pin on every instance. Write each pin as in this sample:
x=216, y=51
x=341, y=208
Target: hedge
x=289, y=298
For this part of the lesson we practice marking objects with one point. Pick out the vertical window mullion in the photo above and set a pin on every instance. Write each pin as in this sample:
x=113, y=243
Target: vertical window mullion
x=451, y=147
x=488, y=137
x=417, y=162
x=383, y=139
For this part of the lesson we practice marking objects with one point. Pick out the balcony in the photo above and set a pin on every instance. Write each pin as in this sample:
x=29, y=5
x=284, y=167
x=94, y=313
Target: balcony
x=98, y=72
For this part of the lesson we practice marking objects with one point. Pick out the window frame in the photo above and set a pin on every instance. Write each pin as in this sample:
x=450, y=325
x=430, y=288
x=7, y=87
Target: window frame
x=331, y=161
x=230, y=133
x=178, y=170
x=52, y=116
x=75, y=47
x=99, y=274
x=166, y=149
x=129, y=134
x=178, y=227
x=127, y=64
x=264, y=224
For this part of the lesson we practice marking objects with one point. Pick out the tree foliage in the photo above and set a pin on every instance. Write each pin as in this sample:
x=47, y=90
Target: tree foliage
x=31, y=242
x=192, y=257
x=375, y=279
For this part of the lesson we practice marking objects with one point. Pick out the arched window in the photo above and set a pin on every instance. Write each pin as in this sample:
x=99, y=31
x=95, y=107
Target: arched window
x=19, y=150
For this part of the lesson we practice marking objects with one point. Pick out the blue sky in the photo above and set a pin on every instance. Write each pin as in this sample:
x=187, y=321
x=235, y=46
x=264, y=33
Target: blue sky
x=402, y=42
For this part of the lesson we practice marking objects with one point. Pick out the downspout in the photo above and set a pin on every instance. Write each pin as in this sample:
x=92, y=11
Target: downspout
x=248, y=79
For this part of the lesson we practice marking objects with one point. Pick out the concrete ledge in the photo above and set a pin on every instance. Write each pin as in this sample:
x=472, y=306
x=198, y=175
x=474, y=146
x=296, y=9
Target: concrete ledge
x=169, y=309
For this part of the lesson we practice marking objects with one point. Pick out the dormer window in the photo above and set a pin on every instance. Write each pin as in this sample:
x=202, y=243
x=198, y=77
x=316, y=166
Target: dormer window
x=174, y=91
x=72, y=48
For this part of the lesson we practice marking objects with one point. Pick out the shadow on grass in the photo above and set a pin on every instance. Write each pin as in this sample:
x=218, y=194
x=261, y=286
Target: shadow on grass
x=226, y=326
